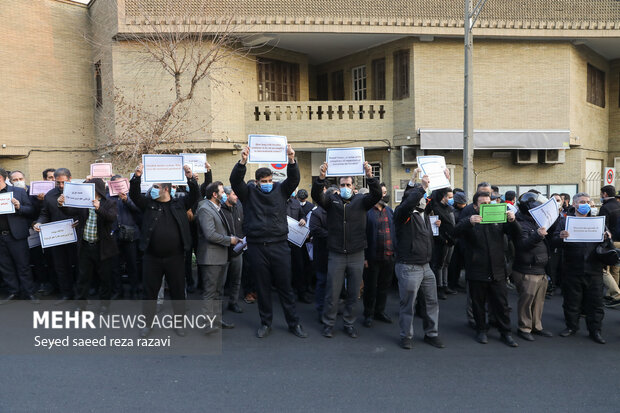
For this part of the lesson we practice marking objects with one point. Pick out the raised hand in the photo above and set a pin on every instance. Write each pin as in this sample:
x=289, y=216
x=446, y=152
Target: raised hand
x=323, y=171
x=245, y=153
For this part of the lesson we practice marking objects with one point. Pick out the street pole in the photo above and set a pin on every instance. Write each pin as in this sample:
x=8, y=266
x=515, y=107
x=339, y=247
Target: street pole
x=471, y=15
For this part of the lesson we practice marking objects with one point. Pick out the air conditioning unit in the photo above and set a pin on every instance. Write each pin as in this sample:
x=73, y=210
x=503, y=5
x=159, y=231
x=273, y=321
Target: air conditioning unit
x=554, y=156
x=526, y=156
x=409, y=155
x=398, y=195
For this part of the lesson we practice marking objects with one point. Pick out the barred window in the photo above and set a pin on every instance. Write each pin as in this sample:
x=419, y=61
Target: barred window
x=277, y=81
x=596, y=86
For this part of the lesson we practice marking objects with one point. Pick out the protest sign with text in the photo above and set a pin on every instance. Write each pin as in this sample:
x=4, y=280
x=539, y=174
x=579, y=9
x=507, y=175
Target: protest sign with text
x=267, y=149
x=345, y=161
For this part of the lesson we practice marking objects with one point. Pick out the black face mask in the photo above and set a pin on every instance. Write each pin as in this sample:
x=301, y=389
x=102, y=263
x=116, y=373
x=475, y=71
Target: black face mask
x=386, y=199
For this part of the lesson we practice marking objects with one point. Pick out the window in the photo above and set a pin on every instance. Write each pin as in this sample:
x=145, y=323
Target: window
x=98, y=84
x=376, y=171
x=277, y=81
x=338, y=85
x=359, y=82
x=596, y=86
x=322, y=87
x=378, y=79
x=401, y=74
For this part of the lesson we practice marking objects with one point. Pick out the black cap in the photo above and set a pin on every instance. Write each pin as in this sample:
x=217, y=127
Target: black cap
x=460, y=198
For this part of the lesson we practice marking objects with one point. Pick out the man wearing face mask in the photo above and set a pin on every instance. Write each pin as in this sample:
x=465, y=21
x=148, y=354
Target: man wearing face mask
x=582, y=280
x=233, y=212
x=164, y=238
x=379, y=259
x=443, y=244
x=485, y=268
x=346, y=241
x=611, y=211
x=266, y=229
x=294, y=210
x=457, y=261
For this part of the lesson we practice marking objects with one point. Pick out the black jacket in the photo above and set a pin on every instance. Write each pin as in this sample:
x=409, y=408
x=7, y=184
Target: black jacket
x=346, y=219
x=309, y=206
x=151, y=210
x=293, y=209
x=318, y=231
x=106, y=224
x=485, y=247
x=446, y=216
x=234, y=217
x=264, y=213
x=531, y=250
x=372, y=230
x=19, y=222
x=414, y=234
x=611, y=211
x=51, y=212
x=579, y=257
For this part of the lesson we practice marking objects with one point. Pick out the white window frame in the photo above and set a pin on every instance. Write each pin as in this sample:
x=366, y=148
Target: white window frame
x=360, y=82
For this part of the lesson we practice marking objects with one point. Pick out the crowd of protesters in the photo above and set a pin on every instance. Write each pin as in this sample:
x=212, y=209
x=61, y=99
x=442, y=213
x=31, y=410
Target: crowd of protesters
x=136, y=245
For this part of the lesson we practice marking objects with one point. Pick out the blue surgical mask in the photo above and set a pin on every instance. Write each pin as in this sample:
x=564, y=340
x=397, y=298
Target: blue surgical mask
x=266, y=188
x=494, y=202
x=451, y=201
x=223, y=198
x=346, y=192
x=172, y=192
x=293, y=194
x=154, y=193
x=584, y=209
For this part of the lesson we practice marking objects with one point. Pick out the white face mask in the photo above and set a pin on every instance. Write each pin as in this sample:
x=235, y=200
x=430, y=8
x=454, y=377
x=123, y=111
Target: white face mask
x=20, y=184
x=422, y=204
x=594, y=211
x=303, y=203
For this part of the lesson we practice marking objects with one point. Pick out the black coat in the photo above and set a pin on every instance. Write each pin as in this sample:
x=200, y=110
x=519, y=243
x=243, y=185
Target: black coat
x=294, y=210
x=264, y=213
x=531, y=250
x=107, y=215
x=579, y=257
x=51, y=212
x=151, y=210
x=611, y=211
x=346, y=219
x=234, y=216
x=19, y=222
x=372, y=229
x=414, y=234
x=318, y=231
x=485, y=248
x=446, y=216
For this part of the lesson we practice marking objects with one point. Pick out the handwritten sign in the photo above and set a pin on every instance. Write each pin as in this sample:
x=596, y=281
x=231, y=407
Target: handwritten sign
x=297, y=234
x=57, y=233
x=41, y=187
x=585, y=229
x=101, y=170
x=79, y=195
x=267, y=149
x=163, y=169
x=345, y=161
x=434, y=167
x=196, y=161
x=6, y=204
x=119, y=186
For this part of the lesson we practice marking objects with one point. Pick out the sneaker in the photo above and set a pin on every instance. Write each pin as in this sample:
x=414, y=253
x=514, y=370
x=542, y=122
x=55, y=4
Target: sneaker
x=406, y=343
x=434, y=341
x=612, y=303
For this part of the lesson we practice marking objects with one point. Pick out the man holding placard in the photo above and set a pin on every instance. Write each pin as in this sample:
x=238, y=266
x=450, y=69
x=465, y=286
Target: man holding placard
x=266, y=230
x=485, y=266
x=16, y=213
x=346, y=223
x=582, y=281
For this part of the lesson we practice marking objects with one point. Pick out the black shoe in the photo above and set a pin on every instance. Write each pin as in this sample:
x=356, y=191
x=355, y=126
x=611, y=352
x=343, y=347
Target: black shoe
x=383, y=317
x=263, y=331
x=9, y=299
x=234, y=307
x=367, y=322
x=327, y=331
x=211, y=330
x=298, y=331
x=441, y=295
x=482, y=338
x=191, y=289
x=612, y=303
x=567, y=332
x=226, y=325
x=406, y=343
x=434, y=341
x=525, y=336
x=450, y=291
x=597, y=337
x=320, y=318
x=508, y=340
x=62, y=300
x=145, y=332
x=303, y=298
x=33, y=299
x=472, y=324
x=351, y=331
x=542, y=333
x=103, y=310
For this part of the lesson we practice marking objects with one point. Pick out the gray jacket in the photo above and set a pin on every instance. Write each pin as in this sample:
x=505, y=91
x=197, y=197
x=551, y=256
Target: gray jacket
x=213, y=235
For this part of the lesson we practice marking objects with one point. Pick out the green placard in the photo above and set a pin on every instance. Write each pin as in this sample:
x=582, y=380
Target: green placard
x=493, y=213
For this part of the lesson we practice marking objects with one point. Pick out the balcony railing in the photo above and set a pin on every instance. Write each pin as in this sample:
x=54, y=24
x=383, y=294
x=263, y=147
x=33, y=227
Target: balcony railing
x=320, y=110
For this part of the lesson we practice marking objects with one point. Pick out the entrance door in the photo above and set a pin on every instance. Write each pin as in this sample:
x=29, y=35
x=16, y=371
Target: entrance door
x=594, y=170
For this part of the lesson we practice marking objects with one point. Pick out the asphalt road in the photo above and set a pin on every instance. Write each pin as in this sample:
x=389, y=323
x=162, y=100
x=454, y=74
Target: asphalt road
x=371, y=373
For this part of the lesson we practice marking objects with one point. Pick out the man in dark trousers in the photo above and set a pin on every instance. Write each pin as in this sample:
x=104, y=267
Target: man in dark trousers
x=98, y=247
x=485, y=268
x=14, y=258
x=346, y=241
x=379, y=259
x=65, y=257
x=266, y=229
x=233, y=212
x=611, y=211
x=582, y=281
x=165, y=238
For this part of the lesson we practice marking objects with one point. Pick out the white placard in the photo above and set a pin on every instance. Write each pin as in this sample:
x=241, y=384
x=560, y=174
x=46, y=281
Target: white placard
x=196, y=161
x=163, y=169
x=79, y=195
x=33, y=239
x=297, y=234
x=585, y=229
x=434, y=219
x=243, y=245
x=267, y=149
x=101, y=170
x=57, y=233
x=41, y=187
x=345, y=161
x=6, y=205
x=434, y=167
x=546, y=214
